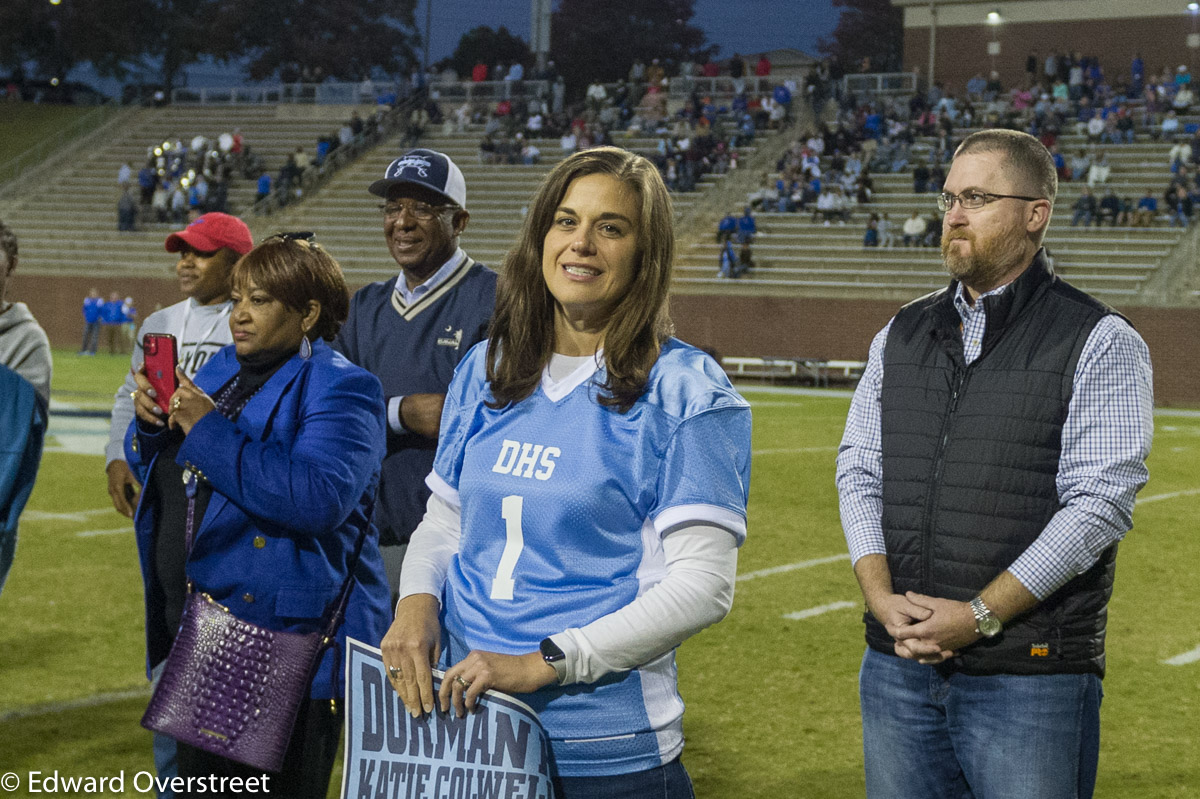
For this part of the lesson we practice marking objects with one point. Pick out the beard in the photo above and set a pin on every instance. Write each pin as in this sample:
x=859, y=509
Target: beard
x=989, y=260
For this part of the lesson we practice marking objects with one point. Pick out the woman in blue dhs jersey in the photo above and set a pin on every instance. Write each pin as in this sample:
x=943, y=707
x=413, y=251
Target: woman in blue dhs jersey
x=589, y=493
x=268, y=464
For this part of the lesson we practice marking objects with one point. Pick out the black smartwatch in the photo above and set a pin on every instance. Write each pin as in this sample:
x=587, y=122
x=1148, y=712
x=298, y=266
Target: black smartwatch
x=553, y=655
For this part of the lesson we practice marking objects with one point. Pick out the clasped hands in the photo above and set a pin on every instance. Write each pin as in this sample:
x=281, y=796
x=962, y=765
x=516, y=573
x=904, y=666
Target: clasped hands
x=927, y=629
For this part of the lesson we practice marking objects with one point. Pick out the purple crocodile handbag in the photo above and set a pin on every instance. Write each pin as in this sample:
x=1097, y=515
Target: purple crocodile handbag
x=234, y=688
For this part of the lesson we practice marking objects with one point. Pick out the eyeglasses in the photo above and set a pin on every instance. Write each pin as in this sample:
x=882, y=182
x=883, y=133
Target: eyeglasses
x=417, y=210
x=970, y=200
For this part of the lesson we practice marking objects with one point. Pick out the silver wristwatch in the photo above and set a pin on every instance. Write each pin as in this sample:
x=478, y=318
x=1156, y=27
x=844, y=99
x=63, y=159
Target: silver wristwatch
x=986, y=622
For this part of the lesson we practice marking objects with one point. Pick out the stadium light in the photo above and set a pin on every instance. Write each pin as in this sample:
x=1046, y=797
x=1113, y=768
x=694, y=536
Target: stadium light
x=55, y=2
x=994, y=18
x=1194, y=7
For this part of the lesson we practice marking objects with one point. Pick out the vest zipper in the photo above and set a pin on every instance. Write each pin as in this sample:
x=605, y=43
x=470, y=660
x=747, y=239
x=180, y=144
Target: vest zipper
x=939, y=464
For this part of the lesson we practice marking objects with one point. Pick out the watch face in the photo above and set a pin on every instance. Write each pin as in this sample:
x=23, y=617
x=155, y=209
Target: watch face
x=989, y=625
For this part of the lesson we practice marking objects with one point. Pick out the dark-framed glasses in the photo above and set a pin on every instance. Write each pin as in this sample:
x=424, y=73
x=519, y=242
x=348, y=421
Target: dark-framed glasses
x=972, y=199
x=417, y=210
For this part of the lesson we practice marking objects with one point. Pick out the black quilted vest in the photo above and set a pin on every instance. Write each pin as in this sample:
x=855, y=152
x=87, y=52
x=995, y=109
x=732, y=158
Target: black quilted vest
x=970, y=456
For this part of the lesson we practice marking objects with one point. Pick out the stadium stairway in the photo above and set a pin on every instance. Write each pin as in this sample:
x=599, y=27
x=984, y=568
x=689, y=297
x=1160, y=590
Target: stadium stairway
x=795, y=255
x=67, y=222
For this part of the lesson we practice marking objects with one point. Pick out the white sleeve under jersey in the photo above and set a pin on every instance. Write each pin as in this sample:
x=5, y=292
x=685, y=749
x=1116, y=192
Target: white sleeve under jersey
x=697, y=591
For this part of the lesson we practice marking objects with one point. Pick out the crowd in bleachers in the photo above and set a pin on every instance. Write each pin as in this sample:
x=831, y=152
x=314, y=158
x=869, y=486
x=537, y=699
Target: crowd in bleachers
x=178, y=178
x=700, y=138
x=828, y=172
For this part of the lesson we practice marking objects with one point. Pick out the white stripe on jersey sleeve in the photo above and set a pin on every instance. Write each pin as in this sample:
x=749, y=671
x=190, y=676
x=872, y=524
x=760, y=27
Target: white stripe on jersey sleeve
x=443, y=489
x=684, y=515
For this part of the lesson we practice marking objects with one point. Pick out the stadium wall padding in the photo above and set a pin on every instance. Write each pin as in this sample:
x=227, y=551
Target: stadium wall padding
x=753, y=326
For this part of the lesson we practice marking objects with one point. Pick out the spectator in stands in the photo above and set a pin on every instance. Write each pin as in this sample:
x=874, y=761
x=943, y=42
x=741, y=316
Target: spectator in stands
x=727, y=260
x=1146, y=210
x=914, y=230
x=745, y=259
x=920, y=178
x=178, y=204
x=1099, y=170
x=887, y=238
x=747, y=227
x=1179, y=207
x=25, y=369
x=1179, y=155
x=127, y=211
x=871, y=234
x=1084, y=208
x=726, y=228
x=262, y=187
x=1110, y=208
x=1078, y=165
x=160, y=201
x=1169, y=128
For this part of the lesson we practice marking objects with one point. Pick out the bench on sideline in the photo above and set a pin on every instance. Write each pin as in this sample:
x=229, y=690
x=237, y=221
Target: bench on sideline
x=819, y=371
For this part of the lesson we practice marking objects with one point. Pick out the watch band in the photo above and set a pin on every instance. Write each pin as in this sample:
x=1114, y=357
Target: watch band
x=555, y=657
x=987, y=623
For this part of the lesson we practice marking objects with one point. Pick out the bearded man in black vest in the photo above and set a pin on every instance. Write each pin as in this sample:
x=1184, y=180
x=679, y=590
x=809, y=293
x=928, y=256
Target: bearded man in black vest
x=989, y=466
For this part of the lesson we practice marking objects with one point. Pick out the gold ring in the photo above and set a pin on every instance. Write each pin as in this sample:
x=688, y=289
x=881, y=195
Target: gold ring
x=175, y=403
x=458, y=679
x=133, y=395
x=394, y=671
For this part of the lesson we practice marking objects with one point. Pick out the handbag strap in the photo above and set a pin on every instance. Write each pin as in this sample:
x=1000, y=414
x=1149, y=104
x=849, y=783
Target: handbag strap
x=332, y=616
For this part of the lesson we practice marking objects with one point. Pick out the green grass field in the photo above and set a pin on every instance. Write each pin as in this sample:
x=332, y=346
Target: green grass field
x=772, y=701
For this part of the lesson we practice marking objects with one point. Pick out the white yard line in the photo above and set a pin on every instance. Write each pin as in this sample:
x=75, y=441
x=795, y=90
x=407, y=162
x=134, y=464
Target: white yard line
x=793, y=450
x=1184, y=659
x=74, y=704
x=789, y=567
x=819, y=609
x=1169, y=495
x=71, y=516
x=94, y=533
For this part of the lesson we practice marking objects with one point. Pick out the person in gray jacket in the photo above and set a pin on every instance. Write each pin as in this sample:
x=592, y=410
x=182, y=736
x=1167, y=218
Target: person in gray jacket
x=25, y=385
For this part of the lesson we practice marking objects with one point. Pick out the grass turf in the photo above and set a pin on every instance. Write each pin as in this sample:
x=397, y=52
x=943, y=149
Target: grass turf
x=772, y=702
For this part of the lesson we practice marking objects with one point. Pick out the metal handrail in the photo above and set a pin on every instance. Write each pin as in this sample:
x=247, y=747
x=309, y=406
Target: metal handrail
x=317, y=176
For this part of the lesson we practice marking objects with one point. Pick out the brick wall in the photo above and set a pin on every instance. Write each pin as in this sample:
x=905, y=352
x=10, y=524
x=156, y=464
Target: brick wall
x=800, y=327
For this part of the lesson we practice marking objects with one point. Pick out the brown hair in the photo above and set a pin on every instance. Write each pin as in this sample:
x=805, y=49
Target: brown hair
x=1029, y=157
x=522, y=331
x=295, y=271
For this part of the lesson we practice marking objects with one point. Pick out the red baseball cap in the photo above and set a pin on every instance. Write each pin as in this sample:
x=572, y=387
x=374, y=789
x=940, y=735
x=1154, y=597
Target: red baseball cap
x=211, y=232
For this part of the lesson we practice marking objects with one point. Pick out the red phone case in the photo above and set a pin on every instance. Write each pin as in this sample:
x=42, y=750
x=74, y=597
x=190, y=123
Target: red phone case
x=161, y=358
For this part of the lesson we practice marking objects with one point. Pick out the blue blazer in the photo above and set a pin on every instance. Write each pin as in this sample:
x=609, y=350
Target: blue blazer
x=293, y=482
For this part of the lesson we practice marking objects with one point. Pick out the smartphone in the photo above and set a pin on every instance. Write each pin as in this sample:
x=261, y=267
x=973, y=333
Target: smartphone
x=161, y=357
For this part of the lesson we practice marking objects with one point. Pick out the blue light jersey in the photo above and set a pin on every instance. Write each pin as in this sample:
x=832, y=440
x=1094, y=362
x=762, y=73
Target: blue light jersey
x=564, y=506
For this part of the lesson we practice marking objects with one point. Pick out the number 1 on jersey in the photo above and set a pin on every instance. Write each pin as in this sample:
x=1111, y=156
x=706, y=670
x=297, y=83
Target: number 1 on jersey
x=510, y=511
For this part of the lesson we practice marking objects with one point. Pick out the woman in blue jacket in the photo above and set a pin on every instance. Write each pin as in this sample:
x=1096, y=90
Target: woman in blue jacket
x=274, y=452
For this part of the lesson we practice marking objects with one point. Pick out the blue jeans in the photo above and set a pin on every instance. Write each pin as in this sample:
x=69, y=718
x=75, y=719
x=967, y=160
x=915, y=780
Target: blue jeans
x=670, y=781
x=930, y=736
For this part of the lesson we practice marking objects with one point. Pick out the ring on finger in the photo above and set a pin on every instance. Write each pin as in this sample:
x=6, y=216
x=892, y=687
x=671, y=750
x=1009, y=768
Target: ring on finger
x=394, y=671
x=464, y=683
x=133, y=395
x=175, y=404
